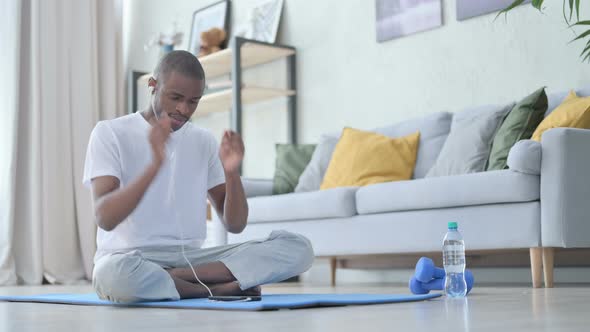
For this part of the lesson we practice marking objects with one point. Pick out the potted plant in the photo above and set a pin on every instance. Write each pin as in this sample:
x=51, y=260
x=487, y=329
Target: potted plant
x=571, y=17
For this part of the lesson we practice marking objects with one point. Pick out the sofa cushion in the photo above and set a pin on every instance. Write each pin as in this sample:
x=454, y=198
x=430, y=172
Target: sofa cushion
x=492, y=187
x=574, y=112
x=291, y=160
x=467, y=148
x=331, y=203
x=556, y=98
x=433, y=128
x=519, y=124
x=313, y=174
x=362, y=158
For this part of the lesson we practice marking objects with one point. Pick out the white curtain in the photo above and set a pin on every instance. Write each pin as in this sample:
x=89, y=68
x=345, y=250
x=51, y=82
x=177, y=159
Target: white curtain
x=70, y=76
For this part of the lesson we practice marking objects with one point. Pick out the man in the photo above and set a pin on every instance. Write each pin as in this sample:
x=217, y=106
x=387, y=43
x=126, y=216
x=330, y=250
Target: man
x=151, y=173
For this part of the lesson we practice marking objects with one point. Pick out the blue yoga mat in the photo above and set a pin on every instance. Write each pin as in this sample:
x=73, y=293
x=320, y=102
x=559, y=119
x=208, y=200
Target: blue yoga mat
x=268, y=302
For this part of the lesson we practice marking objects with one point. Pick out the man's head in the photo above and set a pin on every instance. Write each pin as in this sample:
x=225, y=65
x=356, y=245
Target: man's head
x=177, y=86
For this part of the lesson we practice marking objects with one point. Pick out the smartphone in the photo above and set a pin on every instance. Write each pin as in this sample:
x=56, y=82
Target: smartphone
x=235, y=298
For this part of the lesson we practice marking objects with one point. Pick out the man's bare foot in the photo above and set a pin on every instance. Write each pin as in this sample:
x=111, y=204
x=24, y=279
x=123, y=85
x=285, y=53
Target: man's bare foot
x=233, y=288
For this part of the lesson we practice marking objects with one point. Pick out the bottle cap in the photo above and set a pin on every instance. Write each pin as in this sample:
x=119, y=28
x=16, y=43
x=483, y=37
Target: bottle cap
x=452, y=225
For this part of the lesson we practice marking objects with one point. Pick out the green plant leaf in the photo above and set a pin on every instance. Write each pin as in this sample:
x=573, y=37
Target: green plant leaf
x=586, y=49
x=537, y=4
x=580, y=23
x=585, y=34
x=515, y=4
x=578, y=9
x=571, y=9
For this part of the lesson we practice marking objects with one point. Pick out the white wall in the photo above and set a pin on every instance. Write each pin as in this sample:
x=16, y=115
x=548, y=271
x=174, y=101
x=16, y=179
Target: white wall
x=346, y=78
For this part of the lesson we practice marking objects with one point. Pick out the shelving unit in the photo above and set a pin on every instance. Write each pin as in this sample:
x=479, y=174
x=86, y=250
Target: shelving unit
x=247, y=53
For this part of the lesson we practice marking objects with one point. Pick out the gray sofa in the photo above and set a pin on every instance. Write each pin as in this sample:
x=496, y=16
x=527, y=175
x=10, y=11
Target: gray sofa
x=541, y=202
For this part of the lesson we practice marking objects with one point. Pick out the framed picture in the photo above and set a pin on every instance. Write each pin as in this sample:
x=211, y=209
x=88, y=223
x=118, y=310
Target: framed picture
x=262, y=22
x=398, y=18
x=213, y=16
x=133, y=91
x=472, y=8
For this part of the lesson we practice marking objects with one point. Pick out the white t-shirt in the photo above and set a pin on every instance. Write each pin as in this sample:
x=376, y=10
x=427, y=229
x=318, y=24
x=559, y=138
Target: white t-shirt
x=120, y=148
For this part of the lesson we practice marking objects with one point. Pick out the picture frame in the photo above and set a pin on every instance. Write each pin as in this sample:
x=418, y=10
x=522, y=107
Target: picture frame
x=467, y=9
x=399, y=18
x=216, y=15
x=262, y=21
x=133, y=103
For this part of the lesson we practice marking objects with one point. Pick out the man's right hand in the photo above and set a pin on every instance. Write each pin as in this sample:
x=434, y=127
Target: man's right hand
x=158, y=136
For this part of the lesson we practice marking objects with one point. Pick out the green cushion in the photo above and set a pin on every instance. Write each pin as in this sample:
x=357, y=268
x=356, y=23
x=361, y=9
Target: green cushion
x=290, y=163
x=519, y=124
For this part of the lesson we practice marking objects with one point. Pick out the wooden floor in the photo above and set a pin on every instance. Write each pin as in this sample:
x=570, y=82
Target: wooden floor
x=486, y=309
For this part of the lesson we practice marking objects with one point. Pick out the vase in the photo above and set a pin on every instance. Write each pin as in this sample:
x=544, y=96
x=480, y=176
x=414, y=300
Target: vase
x=165, y=49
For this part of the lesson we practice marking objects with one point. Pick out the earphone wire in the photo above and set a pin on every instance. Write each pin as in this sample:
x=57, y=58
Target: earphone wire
x=172, y=197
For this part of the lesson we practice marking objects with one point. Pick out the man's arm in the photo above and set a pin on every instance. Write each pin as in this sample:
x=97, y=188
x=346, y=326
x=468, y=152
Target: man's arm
x=229, y=199
x=113, y=204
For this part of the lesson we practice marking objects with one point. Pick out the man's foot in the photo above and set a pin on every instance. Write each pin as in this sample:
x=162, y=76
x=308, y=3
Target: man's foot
x=209, y=273
x=233, y=288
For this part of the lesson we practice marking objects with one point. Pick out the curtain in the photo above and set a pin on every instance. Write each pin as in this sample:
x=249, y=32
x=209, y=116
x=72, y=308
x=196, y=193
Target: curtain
x=70, y=76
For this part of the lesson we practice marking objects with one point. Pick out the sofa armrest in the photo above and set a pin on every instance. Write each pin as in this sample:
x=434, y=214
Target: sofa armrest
x=257, y=187
x=565, y=188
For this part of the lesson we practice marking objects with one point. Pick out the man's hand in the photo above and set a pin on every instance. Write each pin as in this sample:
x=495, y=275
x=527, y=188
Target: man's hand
x=231, y=151
x=158, y=136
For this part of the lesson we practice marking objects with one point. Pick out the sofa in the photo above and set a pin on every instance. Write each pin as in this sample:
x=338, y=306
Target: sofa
x=541, y=202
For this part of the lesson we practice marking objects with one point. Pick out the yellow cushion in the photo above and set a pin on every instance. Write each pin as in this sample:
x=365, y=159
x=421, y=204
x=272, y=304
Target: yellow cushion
x=362, y=158
x=574, y=112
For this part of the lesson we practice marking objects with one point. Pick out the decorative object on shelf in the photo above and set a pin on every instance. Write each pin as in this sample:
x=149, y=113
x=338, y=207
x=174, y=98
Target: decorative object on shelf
x=398, y=18
x=570, y=20
x=204, y=19
x=166, y=40
x=211, y=41
x=471, y=8
x=263, y=22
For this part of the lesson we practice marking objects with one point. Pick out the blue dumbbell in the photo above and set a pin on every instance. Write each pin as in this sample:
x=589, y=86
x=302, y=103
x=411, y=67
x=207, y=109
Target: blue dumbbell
x=418, y=287
x=426, y=271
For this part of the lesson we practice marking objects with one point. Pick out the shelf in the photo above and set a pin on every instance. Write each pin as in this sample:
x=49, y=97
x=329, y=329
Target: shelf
x=219, y=63
x=253, y=54
x=222, y=101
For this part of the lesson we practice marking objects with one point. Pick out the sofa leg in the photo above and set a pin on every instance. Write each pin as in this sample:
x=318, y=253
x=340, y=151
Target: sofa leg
x=333, y=266
x=548, y=255
x=537, y=266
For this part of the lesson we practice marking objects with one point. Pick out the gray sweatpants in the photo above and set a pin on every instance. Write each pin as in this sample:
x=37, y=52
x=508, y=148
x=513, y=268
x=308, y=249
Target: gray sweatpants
x=139, y=275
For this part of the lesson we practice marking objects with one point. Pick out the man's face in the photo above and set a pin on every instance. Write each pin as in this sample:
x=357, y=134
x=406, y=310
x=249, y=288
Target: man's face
x=178, y=96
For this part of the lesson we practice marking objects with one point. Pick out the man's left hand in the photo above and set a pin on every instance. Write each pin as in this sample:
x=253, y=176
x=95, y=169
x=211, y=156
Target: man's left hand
x=231, y=151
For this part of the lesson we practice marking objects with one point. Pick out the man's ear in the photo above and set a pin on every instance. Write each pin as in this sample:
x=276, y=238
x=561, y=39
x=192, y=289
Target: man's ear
x=152, y=85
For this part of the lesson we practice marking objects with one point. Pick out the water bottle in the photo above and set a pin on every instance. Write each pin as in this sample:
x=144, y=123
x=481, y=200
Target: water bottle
x=454, y=262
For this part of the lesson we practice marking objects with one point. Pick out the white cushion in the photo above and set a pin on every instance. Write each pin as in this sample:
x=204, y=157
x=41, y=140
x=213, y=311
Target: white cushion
x=468, y=146
x=492, y=187
x=332, y=203
x=313, y=174
x=525, y=157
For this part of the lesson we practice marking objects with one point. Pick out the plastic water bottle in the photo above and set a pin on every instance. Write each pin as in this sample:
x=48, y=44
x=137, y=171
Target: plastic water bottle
x=454, y=262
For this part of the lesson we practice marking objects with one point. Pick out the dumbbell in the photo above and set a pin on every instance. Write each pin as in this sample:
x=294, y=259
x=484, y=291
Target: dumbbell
x=426, y=271
x=418, y=287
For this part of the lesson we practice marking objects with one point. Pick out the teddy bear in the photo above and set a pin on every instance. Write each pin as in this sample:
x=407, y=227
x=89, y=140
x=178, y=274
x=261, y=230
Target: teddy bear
x=211, y=41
